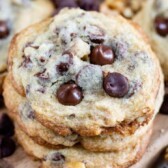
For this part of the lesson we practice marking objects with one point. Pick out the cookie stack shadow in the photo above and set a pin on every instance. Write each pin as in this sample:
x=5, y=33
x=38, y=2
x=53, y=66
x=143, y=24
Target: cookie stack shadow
x=57, y=145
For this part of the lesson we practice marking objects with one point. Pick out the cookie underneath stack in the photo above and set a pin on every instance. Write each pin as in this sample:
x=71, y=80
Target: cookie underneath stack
x=83, y=94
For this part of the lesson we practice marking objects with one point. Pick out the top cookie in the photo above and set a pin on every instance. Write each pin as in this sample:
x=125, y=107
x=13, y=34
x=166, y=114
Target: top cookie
x=85, y=72
x=16, y=15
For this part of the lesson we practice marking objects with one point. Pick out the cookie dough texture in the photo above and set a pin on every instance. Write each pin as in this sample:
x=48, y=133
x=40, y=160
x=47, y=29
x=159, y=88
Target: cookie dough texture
x=146, y=18
x=37, y=51
x=18, y=15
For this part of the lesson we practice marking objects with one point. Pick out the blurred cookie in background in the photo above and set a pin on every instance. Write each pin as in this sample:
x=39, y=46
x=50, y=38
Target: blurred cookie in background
x=88, y=5
x=154, y=20
x=15, y=15
x=127, y=8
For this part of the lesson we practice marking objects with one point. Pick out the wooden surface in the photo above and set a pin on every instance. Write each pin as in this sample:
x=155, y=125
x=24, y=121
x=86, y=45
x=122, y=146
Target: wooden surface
x=158, y=141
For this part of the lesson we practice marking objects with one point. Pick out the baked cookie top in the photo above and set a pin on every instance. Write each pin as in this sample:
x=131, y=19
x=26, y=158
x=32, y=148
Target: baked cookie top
x=84, y=70
x=16, y=15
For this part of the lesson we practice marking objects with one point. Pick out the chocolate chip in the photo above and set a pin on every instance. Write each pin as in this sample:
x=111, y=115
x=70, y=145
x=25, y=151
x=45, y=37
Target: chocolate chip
x=57, y=157
x=116, y=85
x=6, y=125
x=62, y=68
x=69, y=94
x=161, y=25
x=42, y=59
x=7, y=147
x=42, y=75
x=27, y=63
x=66, y=61
x=4, y=30
x=89, y=5
x=102, y=55
x=90, y=77
x=164, y=107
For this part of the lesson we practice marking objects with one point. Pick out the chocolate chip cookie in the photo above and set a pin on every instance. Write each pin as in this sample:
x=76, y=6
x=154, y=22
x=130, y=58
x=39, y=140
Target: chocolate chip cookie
x=154, y=20
x=14, y=16
x=80, y=75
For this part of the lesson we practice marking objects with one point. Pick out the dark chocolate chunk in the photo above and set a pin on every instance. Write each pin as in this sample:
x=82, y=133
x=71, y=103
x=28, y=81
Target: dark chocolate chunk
x=42, y=59
x=161, y=25
x=27, y=63
x=6, y=125
x=115, y=85
x=164, y=107
x=43, y=75
x=62, y=68
x=89, y=5
x=4, y=29
x=102, y=55
x=57, y=157
x=7, y=147
x=69, y=94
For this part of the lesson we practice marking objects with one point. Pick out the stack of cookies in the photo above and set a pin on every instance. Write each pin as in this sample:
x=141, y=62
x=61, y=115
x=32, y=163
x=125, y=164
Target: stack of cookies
x=83, y=90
